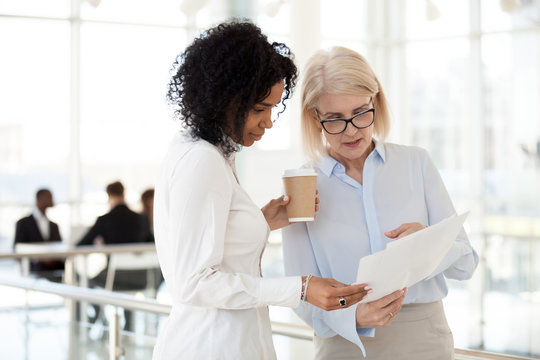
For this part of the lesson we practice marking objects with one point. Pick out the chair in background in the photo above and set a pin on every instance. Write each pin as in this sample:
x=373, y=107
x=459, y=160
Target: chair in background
x=147, y=261
x=31, y=267
x=131, y=267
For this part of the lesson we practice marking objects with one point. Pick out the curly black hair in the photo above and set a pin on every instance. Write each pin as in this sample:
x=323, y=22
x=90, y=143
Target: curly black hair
x=224, y=73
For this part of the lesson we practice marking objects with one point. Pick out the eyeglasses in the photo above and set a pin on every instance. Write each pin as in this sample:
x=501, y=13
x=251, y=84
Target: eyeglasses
x=361, y=120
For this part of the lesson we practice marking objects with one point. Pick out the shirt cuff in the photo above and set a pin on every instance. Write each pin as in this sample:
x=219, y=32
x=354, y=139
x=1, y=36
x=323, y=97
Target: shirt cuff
x=284, y=291
x=369, y=332
x=343, y=322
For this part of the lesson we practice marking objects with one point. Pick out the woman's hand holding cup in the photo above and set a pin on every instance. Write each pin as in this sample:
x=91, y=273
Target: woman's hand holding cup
x=275, y=211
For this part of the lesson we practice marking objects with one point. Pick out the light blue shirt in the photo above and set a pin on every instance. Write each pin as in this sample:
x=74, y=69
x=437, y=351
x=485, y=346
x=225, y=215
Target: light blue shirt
x=400, y=185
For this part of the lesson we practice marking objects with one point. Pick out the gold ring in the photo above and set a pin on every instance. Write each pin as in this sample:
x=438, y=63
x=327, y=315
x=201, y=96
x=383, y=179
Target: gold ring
x=391, y=314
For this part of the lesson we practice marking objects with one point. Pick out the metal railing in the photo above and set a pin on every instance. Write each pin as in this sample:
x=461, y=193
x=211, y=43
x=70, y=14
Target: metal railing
x=117, y=300
x=462, y=354
x=52, y=250
x=69, y=252
x=103, y=297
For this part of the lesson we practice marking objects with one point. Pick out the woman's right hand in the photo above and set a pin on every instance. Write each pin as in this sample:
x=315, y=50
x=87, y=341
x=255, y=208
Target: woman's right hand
x=326, y=293
x=380, y=313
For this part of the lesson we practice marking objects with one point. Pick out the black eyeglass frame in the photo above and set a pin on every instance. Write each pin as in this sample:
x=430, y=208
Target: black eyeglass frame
x=347, y=121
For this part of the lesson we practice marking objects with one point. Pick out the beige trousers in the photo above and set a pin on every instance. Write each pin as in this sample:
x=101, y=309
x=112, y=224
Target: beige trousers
x=418, y=332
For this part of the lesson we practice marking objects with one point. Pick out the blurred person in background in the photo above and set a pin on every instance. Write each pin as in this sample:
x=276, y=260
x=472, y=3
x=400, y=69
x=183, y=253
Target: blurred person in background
x=37, y=228
x=147, y=204
x=373, y=193
x=120, y=225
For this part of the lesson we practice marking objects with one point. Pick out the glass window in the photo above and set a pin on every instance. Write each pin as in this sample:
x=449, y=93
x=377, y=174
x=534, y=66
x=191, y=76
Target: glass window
x=165, y=12
x=357, y=46
x=274, y=17
x=437, y=81
x=513, y=272
x=512, y=120
x=53, y=8
x=210, y=13
x=436, y=18
x=34, y=116
x=125, y=122
x=35, y=87
x=509, y=14
x=344, y=25
x=512, y=148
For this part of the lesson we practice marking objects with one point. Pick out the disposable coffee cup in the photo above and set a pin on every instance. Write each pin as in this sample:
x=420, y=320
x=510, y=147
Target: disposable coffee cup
x=300, y=185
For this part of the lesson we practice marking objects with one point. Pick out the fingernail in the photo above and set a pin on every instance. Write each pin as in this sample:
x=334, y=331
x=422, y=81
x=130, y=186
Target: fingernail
x=368, y=288
x=370, y=291
x=285, y=198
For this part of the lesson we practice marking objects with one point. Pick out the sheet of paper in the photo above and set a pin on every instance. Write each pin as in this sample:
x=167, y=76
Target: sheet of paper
x=408, y=260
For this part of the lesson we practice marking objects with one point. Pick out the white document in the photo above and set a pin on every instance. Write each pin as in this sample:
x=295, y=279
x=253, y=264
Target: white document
x=408, y=260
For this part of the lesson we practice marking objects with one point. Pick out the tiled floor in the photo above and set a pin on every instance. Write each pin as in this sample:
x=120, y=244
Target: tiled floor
x=45, y=335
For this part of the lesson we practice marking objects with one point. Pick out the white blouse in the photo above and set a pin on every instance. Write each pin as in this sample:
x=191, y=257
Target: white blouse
x=210, y=237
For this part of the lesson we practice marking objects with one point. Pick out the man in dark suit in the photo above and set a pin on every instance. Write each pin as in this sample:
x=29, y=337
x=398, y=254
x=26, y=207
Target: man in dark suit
x=119, y=226
x=37, y=228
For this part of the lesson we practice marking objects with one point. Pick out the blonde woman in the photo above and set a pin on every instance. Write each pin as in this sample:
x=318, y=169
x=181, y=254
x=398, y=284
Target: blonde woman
x=373, y=193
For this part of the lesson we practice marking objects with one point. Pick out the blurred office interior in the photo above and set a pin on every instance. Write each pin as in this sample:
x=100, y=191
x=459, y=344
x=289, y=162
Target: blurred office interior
x=82, y=89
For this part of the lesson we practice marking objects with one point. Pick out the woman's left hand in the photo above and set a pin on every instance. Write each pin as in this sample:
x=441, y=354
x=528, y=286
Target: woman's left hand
x=275, y=214
x=404, y=230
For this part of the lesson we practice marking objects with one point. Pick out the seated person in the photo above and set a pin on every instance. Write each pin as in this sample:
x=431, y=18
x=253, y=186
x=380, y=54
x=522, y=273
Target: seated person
x=37, y=228
x=119, y=226
x=147, y=202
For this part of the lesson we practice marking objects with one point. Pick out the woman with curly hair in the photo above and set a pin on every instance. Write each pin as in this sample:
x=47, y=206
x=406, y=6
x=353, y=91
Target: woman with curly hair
x=210, y=236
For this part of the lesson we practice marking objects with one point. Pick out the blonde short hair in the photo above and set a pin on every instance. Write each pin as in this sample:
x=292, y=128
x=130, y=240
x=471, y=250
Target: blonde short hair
x=338, y=71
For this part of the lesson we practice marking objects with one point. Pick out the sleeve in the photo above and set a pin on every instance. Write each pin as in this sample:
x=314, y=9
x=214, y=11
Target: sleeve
x=461, y=260
x=19, y=237
x=55, y=232
x=200, y=194
x=19, y=233
x=146, y=233
x=299, y=259
x=94, y=232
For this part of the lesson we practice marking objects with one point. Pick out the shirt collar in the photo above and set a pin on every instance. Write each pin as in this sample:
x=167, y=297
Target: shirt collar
x=327, y=164
x=38, y=215
x=379, y=149
x=188, y=134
